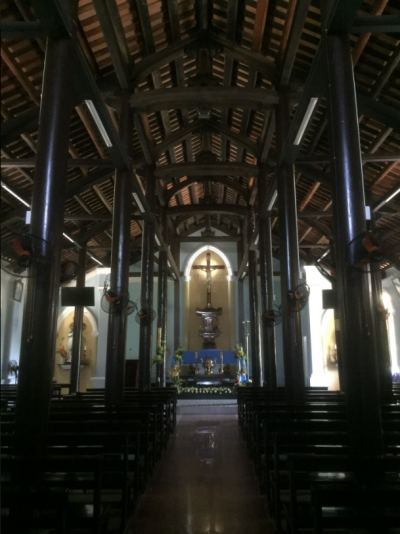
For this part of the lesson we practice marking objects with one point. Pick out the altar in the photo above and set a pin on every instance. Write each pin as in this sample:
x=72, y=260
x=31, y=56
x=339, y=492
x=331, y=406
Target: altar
x=189, y=356
x=224, y=373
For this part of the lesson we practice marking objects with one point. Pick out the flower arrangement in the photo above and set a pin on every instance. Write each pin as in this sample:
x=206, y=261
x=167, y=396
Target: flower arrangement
x=214, y=391
x=239, y=352
x=179, y=354
x=159, y=357
x=176, y=381
x=63, y=353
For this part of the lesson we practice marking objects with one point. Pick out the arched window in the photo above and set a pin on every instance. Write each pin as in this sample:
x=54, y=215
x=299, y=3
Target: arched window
x=211, y=249
x=387, y=302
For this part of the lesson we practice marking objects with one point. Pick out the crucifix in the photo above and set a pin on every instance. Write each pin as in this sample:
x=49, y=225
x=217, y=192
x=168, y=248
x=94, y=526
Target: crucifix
x=208, y=269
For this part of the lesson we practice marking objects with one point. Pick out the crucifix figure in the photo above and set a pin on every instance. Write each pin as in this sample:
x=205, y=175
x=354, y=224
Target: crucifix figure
x=208, y=269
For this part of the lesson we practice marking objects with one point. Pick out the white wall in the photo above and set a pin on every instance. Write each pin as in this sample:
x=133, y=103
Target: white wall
x=11, y=324
x=317, y=283
x=387, y=285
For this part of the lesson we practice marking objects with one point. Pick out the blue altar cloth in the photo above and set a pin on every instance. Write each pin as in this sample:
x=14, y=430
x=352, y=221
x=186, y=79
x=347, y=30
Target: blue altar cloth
x=228, y=356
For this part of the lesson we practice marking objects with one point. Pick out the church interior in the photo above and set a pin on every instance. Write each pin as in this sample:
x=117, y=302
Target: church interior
x=200, y=266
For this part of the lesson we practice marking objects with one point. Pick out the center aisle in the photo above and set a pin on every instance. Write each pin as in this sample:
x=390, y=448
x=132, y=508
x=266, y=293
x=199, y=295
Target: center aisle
x=204, y=484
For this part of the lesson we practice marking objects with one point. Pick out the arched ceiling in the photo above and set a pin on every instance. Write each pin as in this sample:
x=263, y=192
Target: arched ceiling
x=203, y=77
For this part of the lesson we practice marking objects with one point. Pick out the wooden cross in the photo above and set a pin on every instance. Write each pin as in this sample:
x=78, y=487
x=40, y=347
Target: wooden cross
x=208, y=269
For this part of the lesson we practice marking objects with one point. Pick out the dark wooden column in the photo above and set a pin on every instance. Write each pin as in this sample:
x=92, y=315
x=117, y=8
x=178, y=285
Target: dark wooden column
x=163, y=292
x=145, y=347
x=267, y=283
x=175, y=249
x=356, y=325
x=240, y=288
x=254, y=321
x=77, y=331
x=120, y=259
x=40, y=317
x=289, y=262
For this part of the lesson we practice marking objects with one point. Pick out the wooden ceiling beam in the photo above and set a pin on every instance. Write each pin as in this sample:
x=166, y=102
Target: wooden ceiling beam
x=265, y=144
x=384, y=113
x=148, y=40
x=151, y=62
x=297, y=11
x=176, y=137
x=19, y=74
x=235, y=138
x=12, y=128
x=193, y=97
x=196, y=127
x=235, y=186
x=217, y=168
x=108, y=15
x=180, y=79
x=231, y=32
x=206, y=209
x=56, y=20
x=30, y=163
x=362, y=41
x=379, y=202
x=388, y=169
x=366, y=158
x=243, y=55
x=387, y=71
x=376, y=24
x=22, y=30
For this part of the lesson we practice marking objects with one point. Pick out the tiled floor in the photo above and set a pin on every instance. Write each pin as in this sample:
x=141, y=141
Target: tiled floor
x=205, y=484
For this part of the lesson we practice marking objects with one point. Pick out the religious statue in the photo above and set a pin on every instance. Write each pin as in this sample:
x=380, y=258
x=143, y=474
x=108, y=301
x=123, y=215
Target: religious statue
x=71, y=341
x=210, y=330
x=208, y=365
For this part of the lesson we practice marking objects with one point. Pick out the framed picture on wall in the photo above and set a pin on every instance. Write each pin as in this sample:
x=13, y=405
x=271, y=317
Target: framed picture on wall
x=18, y=289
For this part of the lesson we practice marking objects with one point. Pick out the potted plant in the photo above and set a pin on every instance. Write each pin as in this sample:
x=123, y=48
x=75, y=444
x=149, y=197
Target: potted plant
x=179, y=355
x=176, y=381
x=239, y=352
x=241, y=358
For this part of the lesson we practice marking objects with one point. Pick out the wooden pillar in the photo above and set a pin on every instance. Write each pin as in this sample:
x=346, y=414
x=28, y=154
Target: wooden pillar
x=146, y=330
x=289, y=262
x=120, y=259
x=240, y=309
x=175, y=249
x=267, y=283
x=356, y=324
x=41, y=310
x=75, y=372
x=163, y=293
x=254, y=321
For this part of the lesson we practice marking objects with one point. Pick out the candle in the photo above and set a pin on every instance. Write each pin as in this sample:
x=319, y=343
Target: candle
x=195, y=356
x=222, y=356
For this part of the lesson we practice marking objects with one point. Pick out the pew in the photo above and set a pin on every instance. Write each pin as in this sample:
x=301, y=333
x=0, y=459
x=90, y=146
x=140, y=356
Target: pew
x=130, y=439
x=79, y=474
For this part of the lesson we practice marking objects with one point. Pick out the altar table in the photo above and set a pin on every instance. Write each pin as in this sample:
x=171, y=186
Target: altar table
x=228, y=356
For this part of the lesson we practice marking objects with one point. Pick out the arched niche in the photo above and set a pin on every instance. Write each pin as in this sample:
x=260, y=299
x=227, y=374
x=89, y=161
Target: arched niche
x=89, y=344
x=195, y=296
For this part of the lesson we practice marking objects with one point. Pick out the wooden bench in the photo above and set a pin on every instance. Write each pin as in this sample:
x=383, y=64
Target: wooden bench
x=79, y=475
x=306, y=470
x=354, y=506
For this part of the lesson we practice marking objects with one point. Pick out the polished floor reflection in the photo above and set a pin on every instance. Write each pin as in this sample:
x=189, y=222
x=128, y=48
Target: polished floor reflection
x=205, y=484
